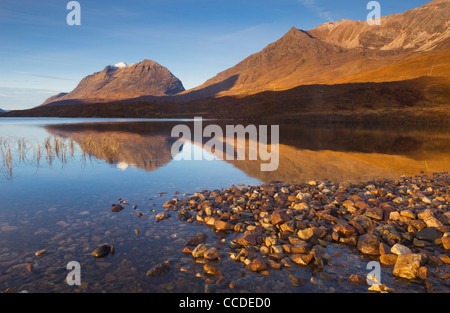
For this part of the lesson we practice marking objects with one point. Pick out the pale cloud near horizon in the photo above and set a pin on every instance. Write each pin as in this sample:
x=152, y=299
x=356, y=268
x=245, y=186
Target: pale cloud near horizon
x=44, y=76
x=312, y=5
x=12, y=98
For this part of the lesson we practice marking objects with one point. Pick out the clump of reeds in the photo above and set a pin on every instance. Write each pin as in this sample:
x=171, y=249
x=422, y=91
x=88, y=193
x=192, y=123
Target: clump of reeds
x=19, y=150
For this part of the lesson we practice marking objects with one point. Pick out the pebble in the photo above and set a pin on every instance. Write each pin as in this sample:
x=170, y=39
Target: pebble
x=40, y=252
x=102, y=251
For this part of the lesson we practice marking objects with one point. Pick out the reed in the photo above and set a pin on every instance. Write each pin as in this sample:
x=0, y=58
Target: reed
x=53, y=148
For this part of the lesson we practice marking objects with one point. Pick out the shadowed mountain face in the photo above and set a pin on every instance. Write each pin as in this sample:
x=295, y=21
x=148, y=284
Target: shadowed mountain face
x=305, y=153
x=122, y=82
x=405, y=46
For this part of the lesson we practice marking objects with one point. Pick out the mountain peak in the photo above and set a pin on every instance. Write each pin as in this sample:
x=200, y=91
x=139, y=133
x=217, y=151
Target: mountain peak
x=120, y=65
x=146, y=78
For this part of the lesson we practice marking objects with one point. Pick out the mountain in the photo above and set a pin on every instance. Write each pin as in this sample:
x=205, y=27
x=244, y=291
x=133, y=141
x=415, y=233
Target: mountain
x=2, y=110
x=122, y=81
x=347, y=71
x=405, y=46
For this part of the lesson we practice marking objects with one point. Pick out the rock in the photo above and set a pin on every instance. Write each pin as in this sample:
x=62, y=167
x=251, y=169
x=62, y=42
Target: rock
x=160, y=269
x=444, y=258
x=248, y=239
x=321, y=257
x=162, y=216
x=277, y=249
x=305, y=234
x=362, y=205
x=420, y=243
x=345, y=230
x=388, y=259
x=361, y=221
x=300, y=248
x=210, y=221
x=297, y=281
x=425, y=214
x=258, y=265
x=184, y=215
x=384, y=249
x=394, y=216
x=433, y=222
x=375, y=213
x=288, y=226
x=222, y=225
x=407, y=266
x=199, y=239
x=285, y=190
x=380, y=288
x=102, y=251
x=211, y=254
x=446, y=242
x=303, y=196
x=399, y=249
x=369, y=244
x=211, y=270
x=301, y=259
x=199, y=251
x=188, y=250
x=424, y=273
x=270, y=241
x=429, y=234
x=388, y=232
x=274, y=265
x=40, y=252
x=357, y=279
x=117, y=208
x=418, y=224
x=408, y=214
x=30, y=268
x=426, y=200
x=301, y=206
x=170, y=203
x=279, y=217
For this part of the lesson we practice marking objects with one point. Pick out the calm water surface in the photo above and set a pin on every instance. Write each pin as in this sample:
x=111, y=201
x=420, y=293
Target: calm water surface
x=59, y=178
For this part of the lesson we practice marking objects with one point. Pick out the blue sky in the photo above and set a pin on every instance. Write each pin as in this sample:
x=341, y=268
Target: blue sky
x=40, y=55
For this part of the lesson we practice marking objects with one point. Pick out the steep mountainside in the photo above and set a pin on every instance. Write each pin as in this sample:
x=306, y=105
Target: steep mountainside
x=122, y=82
x=342, y=52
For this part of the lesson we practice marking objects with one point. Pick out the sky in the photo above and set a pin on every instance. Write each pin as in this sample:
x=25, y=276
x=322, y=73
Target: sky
x=41, y=55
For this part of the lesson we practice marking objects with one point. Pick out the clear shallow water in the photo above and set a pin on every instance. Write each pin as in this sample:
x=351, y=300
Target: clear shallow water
x=63, y=203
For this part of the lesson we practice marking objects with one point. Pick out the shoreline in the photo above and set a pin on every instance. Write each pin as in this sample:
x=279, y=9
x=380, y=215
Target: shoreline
x=404, y=225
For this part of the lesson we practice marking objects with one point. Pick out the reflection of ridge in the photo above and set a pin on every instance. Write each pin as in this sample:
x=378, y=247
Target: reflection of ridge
x=124, y=149
x=305, y=153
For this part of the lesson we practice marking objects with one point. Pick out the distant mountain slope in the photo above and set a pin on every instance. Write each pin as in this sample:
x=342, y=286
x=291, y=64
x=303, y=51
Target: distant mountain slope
x=121, y=82
x=341, y=52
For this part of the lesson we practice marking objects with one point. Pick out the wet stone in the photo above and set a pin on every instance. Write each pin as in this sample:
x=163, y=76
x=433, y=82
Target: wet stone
x=102, y=251
x=429, y=234
x=159, y=270
x=407, y=266
x=369, y=244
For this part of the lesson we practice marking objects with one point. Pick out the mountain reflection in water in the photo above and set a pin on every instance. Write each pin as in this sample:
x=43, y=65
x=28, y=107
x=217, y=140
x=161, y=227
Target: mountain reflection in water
x=339, y=153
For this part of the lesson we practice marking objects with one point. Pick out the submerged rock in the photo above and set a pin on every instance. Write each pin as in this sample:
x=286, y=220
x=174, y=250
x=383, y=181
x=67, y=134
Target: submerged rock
x=117, y=208
x=159, y=270
x=102, y=251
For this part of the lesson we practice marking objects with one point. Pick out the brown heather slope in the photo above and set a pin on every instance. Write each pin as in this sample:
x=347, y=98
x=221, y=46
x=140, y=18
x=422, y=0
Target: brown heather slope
x=342, y=52
x=423, y=100
x=113, y=83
